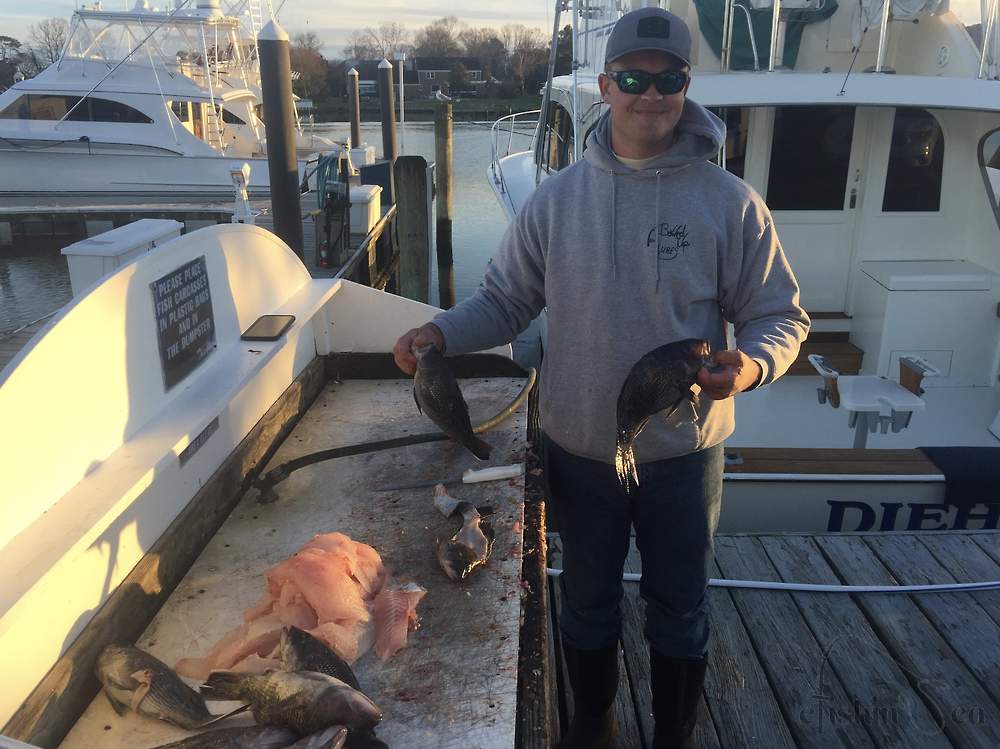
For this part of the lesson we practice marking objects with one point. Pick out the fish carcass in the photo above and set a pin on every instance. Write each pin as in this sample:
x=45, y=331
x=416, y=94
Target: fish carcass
x=467, y=549
x=305, y=701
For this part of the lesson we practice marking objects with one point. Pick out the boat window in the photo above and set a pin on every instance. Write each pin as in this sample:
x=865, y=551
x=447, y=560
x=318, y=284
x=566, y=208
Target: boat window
x=231, y=119
x=916, y=161
x=182, y=109
x=557, y=150
x=737, y=121
x=989, y=160
x=51, y=107
x=810, y=153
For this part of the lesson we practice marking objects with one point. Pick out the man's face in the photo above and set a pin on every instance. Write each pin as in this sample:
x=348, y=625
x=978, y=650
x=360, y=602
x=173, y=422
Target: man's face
x=643, y=125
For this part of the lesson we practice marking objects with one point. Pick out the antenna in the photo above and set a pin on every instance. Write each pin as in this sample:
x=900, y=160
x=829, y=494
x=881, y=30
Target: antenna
x=857, y=51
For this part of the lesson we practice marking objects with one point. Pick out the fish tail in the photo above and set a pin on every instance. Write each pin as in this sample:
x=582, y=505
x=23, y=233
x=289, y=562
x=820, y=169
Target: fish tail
x=480, y=449
x=223, y=685
x=625, y=465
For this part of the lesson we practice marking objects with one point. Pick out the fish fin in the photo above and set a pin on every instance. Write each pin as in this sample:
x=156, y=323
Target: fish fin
x=139, y=695
x=625, y=466
x=480, y=449
x=223, y=685
x=217, y=718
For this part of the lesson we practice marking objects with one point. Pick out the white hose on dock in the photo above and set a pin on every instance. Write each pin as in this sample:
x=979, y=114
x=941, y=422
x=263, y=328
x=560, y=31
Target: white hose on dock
x=820, y=588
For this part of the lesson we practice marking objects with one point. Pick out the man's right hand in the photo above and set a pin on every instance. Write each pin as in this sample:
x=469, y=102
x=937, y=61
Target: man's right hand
x=416, y=338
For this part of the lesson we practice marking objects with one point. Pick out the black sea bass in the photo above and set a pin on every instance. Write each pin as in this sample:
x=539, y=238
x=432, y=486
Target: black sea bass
x=659, y=381
x=438, y=397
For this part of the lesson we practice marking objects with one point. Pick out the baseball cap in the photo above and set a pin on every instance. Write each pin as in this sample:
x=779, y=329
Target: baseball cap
x=649, y=29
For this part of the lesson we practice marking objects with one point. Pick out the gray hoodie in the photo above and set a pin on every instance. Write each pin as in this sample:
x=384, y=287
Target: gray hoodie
x=626, y=260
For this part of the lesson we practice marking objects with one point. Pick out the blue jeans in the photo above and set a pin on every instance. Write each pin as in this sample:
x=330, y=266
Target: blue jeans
x=675, y=511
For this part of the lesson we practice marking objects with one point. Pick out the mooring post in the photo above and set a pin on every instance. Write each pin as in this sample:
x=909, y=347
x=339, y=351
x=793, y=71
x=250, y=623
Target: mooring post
x=354, y=107
x=279, y=127
x=413, y=227
x=387, y=100
x=445, y=203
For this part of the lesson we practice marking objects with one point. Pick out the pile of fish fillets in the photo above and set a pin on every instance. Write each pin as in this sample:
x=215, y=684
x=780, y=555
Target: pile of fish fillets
x=312, y=700
x=334, y=588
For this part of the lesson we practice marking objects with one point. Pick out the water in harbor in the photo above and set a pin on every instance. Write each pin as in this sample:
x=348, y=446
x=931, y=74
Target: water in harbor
x=34, y=279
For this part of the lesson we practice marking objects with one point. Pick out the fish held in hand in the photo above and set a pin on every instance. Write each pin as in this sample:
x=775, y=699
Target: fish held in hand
x=659, y=381
x=438, y=396
x=305, y=701
x=134, y=679
x=467, y=549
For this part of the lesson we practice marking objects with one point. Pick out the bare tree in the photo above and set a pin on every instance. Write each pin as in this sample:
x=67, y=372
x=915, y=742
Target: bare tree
x=388, y=39
x=525, y=49
x=359, y=46
x=307, y=40
x=438, y=39
x=47, y=39
x=486, y=46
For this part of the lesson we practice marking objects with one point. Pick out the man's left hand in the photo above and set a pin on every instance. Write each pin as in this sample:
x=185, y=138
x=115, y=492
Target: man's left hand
x=735, y=373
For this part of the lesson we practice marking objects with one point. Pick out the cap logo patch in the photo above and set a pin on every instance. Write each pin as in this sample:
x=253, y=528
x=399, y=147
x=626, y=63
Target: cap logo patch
x=654, y=27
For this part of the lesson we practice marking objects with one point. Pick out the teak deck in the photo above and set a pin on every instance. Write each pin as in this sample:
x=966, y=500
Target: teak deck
x=831, y=669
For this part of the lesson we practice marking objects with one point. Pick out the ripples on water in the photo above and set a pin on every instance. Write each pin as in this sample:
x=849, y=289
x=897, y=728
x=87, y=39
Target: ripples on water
x=34, y=280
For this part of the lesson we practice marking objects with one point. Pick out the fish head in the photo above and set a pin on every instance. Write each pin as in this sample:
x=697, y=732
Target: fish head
x=115, y=663
x=695, y=354
x=426, y=353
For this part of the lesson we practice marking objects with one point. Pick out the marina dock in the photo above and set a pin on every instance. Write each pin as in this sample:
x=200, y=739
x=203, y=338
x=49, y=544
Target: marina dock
x=833, y=669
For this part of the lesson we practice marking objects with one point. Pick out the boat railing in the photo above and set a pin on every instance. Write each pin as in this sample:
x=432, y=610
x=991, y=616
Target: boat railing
x=505, y=129
x=376, y=261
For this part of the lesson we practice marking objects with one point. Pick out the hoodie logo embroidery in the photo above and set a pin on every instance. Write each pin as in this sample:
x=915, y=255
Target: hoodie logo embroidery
x=671, y=240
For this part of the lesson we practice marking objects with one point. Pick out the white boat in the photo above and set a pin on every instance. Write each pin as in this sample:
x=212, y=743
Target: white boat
x=120, y=472
x=873, y=133
x=142, y=105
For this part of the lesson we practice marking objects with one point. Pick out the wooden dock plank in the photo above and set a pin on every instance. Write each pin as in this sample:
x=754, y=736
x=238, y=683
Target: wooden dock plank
x=637, y=657
x=958, y=617
x=990, y=543
x=966, y=713
x=794, y=667
x=968, y=563
x=878, y=688
x=740, y=699
x=629, y=734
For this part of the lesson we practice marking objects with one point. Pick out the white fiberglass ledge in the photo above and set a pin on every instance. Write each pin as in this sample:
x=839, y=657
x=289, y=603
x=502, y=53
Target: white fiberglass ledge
x=872, y=89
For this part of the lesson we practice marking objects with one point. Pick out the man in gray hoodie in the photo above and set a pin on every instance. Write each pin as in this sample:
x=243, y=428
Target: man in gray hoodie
x=642, y=242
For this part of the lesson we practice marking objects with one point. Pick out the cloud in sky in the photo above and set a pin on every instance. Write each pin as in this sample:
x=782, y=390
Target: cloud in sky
x=334, y=20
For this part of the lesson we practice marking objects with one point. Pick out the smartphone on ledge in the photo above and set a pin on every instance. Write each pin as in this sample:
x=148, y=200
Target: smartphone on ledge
x=268, y=328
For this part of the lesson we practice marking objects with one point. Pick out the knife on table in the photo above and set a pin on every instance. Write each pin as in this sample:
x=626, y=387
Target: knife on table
x=471, y=476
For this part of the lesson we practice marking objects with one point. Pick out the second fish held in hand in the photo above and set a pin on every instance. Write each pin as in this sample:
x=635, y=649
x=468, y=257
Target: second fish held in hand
x=659, y=381
x=438, y=397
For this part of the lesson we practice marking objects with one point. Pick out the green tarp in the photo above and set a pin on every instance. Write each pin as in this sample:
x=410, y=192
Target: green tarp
x=711, y=16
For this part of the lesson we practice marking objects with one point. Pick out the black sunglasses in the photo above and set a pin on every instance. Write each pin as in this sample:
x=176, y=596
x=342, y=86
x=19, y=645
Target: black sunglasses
x=636, y=82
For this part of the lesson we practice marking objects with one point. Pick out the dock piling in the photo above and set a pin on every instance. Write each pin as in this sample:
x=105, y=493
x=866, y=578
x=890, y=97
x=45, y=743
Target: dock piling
x=354, y=107
x=387, y=101
x=413, y=227
x=279, y=126
x=443, y=156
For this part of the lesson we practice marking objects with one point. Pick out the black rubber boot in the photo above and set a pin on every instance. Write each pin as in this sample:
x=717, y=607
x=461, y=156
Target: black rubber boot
x=677, y=685
x=593, y=675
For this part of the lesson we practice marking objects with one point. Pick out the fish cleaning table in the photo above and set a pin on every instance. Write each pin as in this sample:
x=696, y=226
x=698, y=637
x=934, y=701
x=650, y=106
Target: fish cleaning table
x=455, y=683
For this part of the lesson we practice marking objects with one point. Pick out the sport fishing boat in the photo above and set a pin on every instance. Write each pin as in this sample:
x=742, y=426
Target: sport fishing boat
x=138, y=426
x=873, y=133
x=142, y=105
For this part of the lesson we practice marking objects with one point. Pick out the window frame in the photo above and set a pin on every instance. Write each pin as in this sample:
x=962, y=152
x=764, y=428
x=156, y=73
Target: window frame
x=888, y=160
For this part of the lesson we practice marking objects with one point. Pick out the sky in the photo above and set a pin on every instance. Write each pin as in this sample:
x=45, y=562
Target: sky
x=334, y=20
x=331, y=20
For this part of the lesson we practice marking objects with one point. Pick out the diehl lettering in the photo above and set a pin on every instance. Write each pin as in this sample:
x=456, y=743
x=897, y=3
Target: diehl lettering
x=839, y=509
x=921, y=512
x=889, y=512
x=990, y=518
